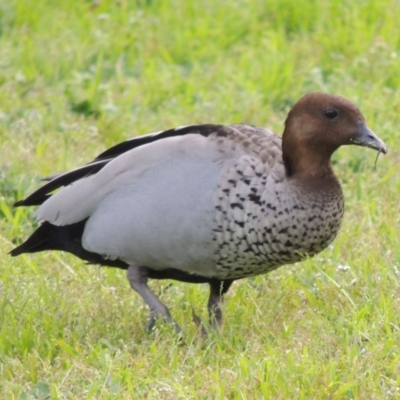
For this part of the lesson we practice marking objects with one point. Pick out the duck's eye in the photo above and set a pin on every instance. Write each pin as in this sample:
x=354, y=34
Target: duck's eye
x=331, y=113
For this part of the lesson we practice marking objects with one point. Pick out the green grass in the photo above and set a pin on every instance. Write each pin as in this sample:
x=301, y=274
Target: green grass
x=78, y=76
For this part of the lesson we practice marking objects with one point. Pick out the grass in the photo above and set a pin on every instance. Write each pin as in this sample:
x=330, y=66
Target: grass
x=79, y=76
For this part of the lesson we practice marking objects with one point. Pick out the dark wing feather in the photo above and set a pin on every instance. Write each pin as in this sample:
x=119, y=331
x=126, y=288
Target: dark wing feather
x=43, y=193
x=120, y=148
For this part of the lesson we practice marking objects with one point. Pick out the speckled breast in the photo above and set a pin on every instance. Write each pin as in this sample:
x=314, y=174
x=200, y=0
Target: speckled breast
x=264, y=219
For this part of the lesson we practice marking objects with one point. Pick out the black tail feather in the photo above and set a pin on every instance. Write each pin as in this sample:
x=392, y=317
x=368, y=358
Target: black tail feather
x=40, y=240
x=63, y=238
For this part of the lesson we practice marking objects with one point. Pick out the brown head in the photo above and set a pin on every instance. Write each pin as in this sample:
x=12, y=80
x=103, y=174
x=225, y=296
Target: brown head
x=316, y=126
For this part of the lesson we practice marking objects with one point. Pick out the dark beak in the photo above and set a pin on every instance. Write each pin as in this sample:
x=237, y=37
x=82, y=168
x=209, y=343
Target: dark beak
x=366, y=137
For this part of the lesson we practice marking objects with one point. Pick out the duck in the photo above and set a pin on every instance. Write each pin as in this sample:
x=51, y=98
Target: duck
x=204, y=203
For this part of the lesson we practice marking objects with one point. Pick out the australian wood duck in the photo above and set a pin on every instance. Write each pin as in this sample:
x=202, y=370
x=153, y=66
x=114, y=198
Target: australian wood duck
x=205, y=203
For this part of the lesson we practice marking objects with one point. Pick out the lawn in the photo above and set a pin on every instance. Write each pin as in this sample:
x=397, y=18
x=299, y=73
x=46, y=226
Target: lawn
x=79, y=76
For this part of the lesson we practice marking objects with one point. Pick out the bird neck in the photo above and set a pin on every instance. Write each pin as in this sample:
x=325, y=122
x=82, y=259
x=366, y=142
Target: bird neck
x=311, y=169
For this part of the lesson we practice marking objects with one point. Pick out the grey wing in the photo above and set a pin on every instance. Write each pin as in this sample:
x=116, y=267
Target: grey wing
x=163, y=220
x=56, y=181
x=151, y=206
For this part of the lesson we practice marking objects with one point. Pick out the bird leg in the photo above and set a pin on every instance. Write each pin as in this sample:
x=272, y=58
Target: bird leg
x=138, y=277
x=217, y=291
